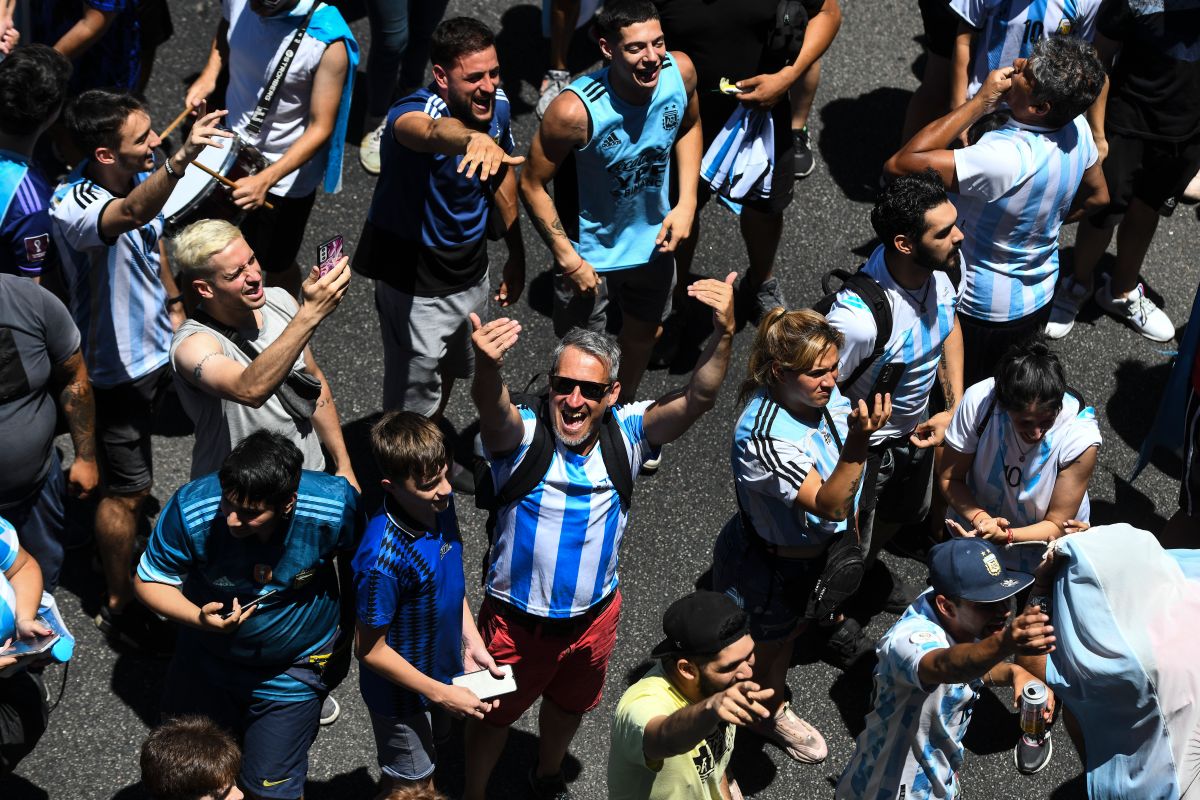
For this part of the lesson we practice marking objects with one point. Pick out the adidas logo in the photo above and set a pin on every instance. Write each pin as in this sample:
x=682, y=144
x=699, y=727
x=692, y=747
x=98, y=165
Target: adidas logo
x=610, y=141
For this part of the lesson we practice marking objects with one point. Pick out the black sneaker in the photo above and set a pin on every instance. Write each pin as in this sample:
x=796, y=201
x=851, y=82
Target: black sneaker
x=804, y=160
x=1031, y=756
x=548, y=787
x=331, y=709
x=846, y=644
x=462, y=480
x=901, y=595
x=137, y=627
x=753, y=306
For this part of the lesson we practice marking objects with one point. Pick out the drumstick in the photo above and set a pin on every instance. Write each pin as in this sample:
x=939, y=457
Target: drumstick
x=175, y=123
x=224, y=180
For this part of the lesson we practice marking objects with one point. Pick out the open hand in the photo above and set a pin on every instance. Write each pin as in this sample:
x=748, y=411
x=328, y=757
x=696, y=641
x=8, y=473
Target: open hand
x=493, y=340
x=717, y=295
x=205, y=133
x=863, y=422
x=484, y=155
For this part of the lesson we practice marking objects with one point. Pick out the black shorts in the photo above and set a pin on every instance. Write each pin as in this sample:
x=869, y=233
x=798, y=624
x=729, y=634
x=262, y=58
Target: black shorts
x=275, y=234
x=154, y=22
x=1152, y=171
x=985, y=343
x=1189, y=484
x=124, y=421
x=941, y=26
x=23, y=718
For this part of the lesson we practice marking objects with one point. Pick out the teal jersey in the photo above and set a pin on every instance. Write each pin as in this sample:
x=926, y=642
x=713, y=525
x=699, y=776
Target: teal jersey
x=624, y=169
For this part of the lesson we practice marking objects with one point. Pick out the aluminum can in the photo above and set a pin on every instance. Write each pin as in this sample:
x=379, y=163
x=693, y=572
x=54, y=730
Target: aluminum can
x=1033, y=703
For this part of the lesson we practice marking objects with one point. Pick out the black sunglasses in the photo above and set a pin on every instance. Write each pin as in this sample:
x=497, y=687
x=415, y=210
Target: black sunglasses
x=589, y=389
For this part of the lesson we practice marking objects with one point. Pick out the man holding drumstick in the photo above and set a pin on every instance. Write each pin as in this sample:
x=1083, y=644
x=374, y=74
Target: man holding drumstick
x=108, y=228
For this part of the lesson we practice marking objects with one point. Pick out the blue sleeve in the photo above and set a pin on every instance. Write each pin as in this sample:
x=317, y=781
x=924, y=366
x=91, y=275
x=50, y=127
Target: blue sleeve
x=377, y=597
x=9, y=547
x=352, y=520
x=169, y=552
x=110, y=5
x=28, y=237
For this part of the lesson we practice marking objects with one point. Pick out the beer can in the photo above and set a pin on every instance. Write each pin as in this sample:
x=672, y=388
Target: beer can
x=1033, y=704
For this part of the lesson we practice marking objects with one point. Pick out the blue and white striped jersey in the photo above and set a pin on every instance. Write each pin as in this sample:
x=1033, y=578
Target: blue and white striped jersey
x=1014, y=187
x=911, y=747
x=1004, y=483
x=555, y=550
x=117, y=297
x=916, y=340
x=773, y=453
x=9, y=548
x=1008, y=29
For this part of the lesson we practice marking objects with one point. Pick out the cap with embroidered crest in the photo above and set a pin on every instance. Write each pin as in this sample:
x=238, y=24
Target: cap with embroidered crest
x=973, y=569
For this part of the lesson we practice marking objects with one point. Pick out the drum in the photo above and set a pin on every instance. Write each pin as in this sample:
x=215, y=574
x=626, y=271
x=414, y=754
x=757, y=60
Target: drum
x=198, y=195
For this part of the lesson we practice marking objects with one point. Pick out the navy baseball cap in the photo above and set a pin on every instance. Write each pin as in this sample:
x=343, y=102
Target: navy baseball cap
x=968, y=568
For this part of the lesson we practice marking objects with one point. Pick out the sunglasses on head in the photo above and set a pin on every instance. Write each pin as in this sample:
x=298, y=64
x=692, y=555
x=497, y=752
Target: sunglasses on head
x=589, y=389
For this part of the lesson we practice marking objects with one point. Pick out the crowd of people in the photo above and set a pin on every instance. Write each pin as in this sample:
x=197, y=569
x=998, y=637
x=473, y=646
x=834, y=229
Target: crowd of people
x=920, y=402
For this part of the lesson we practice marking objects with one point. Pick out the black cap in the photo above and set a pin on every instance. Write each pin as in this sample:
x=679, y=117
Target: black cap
x=701, y=624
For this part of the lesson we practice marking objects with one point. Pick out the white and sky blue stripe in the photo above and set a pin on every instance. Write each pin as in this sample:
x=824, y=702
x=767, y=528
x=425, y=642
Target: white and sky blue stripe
x=1015, y=187
x=555, y=552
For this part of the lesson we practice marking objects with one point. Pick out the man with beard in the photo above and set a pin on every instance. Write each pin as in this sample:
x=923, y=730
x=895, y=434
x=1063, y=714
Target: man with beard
x=552, y=602
x=920, y=241
x=445, y=164
x=673, y=734
x=933, y=664
x=1015, y=188
x=607, y=141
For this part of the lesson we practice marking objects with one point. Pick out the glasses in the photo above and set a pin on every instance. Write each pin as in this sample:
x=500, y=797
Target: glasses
x=589, y=389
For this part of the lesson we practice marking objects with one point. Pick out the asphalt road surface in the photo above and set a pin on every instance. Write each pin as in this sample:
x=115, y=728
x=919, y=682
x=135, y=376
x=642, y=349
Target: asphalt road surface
x=111, y=697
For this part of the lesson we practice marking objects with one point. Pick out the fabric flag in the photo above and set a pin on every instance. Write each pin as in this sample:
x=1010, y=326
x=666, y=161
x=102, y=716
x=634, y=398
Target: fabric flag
x=739, y=162
x=1125, y=664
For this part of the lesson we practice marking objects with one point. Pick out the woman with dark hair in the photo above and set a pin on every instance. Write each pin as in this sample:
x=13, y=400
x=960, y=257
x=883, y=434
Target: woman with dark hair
x=1020, y=452
x=798, y=455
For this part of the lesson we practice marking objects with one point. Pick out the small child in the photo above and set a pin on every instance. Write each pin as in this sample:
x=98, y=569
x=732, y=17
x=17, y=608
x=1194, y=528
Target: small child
x=190, y=758
x=413, y=619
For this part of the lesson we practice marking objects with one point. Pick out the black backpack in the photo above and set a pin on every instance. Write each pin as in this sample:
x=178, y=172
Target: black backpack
x=876, y=300
x=786, y=35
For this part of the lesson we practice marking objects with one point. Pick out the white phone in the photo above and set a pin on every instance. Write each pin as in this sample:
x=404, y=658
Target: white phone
x=485, y=686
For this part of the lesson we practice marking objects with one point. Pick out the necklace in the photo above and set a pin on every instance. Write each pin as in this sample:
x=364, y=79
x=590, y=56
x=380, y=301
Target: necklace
x=1022, y=451
x=924, y=296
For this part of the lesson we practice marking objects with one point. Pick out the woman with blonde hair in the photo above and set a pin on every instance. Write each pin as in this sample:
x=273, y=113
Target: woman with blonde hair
x=798, y=455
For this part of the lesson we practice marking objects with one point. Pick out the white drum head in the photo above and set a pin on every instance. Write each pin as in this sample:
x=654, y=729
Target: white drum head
x=196, y=184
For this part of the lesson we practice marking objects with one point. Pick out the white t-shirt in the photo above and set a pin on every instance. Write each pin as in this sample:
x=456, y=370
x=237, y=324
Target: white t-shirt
x=1005, y=484
x=916, y=340
x=255, y=46
x=911, y=746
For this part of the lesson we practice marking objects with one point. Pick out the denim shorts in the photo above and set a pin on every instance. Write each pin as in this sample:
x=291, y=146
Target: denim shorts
x=406, y=745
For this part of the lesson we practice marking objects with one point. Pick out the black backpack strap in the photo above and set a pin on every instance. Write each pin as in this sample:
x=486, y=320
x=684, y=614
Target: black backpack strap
x=616, y=459
x=875, y=297
x=981, y=426
x=529, y=473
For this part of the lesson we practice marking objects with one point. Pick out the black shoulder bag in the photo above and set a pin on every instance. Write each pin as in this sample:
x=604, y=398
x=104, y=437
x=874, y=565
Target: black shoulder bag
x=844, y=568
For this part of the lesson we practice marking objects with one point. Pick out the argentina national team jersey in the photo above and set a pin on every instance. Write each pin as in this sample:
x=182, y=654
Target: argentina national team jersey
x=1015, y=186
x=555, y=551
x=9, y=549
x=1005, y=484
x=191, y=548
x=916, y=340
x=1008, y=29
x=773, y=452
x=624, y=170
x=911, y=746
x=117, y=297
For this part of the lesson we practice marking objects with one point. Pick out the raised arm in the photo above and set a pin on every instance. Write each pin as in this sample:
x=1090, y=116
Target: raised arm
x=200, y=361
x=673, y=413
x=677, y=733
x=500, y=425
x=1029, y=634
x=447, y=136
x=834, y=498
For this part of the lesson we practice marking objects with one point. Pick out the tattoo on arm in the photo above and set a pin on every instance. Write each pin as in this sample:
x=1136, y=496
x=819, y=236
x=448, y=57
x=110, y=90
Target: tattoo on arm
x=947, y=388
x=78, y=406
x=848, y=505
x=199, y=368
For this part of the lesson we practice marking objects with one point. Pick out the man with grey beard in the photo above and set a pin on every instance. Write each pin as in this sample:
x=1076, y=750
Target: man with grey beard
x=562, y=467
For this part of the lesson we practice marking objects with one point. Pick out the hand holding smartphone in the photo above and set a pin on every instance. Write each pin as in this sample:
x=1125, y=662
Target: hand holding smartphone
x=328, y=255
x=485, y=685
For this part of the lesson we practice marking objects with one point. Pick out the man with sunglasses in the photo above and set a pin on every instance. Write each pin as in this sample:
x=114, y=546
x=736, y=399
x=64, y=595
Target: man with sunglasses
x=552, y=602
x=954, y=640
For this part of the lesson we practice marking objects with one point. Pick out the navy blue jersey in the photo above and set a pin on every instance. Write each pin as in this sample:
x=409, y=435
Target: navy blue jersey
x=114, y=61
x=26, y=247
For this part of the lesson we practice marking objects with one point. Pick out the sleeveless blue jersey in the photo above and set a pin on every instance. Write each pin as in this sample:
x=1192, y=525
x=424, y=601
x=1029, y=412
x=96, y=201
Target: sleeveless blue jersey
x=624, y=169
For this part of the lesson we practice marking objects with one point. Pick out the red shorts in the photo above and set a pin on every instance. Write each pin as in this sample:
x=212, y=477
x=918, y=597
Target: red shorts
x=564, y=663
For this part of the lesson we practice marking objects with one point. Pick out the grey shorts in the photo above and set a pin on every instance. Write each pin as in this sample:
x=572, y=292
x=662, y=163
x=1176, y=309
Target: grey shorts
x=406, y=744
x=643, y=293
x=424, y=340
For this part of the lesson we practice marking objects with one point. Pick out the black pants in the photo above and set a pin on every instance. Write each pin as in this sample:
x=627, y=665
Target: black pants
x=985, y=343
x=23, y=718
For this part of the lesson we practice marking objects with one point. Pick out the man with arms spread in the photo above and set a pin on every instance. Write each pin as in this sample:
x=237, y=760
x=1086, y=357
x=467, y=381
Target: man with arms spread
x=1015, y=187
x=303, y=129
x=552, y=600
x=933, y=663
x=672, y=737
x=619, y=125
x=261, y=530
x=446, y=153
x=108, y=228
x=228, y=393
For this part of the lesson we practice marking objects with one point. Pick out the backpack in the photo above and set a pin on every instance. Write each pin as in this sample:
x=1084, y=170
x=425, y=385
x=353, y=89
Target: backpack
x=786, y=35
x=533, y=467
x=876, y=301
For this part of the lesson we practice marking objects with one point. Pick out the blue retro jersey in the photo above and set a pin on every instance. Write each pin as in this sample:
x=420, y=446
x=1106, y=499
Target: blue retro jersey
x=25, y=244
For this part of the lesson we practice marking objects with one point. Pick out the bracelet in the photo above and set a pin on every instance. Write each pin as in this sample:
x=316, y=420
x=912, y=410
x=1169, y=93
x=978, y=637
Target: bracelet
x=171, y=173
x=577, y=268
x=174, y=300
x=1010, y=537
x=977, y=513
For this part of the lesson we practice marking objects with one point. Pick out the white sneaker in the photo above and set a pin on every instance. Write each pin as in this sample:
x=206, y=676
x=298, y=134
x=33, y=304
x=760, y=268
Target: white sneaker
x=555, y=81
x=1137, y=311
x=368, y=149
x=1068, y=298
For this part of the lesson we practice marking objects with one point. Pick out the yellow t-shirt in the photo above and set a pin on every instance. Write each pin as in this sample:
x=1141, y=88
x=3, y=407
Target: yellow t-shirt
x=692, y=776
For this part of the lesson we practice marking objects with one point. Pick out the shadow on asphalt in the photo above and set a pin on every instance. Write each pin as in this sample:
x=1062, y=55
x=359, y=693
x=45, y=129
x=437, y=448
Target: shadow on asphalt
x=859, y=134
x=521, y=27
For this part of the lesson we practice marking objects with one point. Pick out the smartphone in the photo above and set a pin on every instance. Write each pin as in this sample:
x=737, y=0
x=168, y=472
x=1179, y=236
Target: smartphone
x=888, y=380
x=253, y=602
x=485, y=686
x=23, y=648
x=328, y=255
